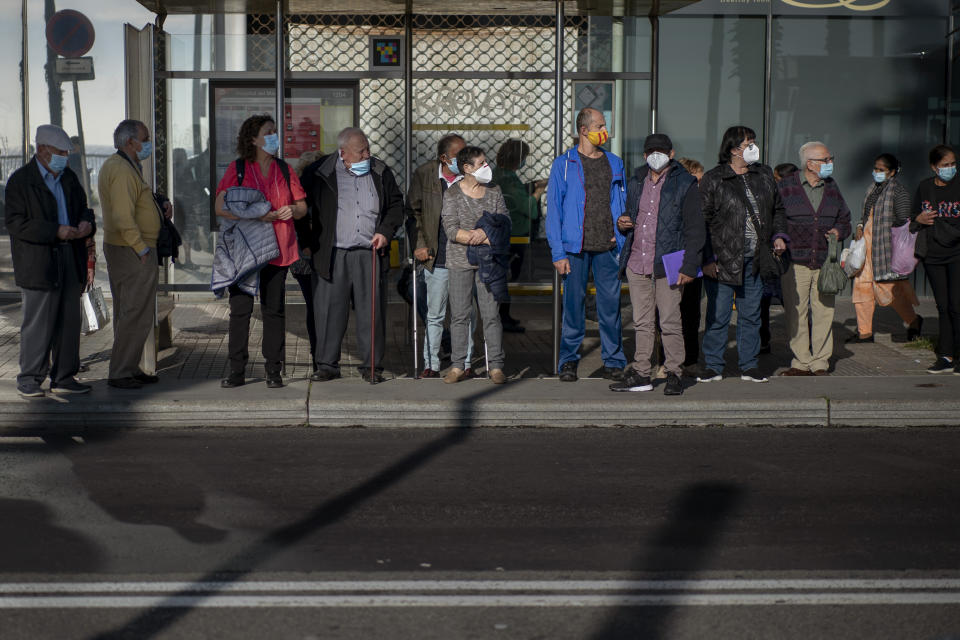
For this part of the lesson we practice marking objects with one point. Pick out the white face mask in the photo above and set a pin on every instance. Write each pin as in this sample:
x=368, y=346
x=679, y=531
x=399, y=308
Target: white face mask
x=484, y=174
x=751, y=154
x=658, y=160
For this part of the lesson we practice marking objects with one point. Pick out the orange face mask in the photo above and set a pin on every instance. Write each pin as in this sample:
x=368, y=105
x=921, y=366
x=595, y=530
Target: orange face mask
x=598, y=138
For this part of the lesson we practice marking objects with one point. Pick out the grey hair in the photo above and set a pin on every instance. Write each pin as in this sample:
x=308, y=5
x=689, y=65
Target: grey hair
x=805, y=149
x=348, y=134
x=125, y=131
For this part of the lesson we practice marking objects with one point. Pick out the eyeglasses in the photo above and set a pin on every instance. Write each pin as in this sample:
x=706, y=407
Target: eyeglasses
x=829, y=159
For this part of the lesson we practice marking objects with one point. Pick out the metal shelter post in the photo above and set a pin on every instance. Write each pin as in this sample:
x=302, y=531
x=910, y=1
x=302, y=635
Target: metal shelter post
x=281, y=63
x=25, y=83
x=408, y=160
x=559, y=128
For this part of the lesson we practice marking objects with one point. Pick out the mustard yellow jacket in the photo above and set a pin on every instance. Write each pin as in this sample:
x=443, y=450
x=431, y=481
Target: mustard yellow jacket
x=130, y=214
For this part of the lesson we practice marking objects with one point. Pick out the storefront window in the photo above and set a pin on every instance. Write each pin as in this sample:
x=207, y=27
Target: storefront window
x=710, y=78
x=862, y=86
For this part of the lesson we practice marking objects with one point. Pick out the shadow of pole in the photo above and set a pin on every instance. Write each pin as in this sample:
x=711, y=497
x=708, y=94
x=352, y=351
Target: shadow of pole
x=678, y=550
x=162, y=616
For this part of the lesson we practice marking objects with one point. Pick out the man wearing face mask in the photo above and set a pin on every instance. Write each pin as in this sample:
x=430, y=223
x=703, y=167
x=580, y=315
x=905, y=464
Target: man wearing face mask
x=585, y=197
x=815, y=210
x=131, y=225
x=354, y=205
x=662, y=217
x=48, y=222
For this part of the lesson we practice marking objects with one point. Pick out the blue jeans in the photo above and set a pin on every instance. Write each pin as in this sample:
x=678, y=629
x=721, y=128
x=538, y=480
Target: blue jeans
x=605, y=278
x=720, y=298
x=437, y=296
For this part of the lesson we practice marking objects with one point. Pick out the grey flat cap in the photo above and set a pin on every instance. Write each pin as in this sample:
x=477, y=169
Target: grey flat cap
x=53, y=136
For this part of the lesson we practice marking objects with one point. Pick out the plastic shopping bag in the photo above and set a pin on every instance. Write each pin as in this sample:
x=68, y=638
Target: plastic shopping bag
x=903, y=243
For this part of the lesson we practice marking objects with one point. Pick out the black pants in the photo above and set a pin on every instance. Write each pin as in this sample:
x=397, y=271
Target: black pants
x=303, y=279
x=690, y=321
x=765, y=320
x=272, y=284
x=945, y=282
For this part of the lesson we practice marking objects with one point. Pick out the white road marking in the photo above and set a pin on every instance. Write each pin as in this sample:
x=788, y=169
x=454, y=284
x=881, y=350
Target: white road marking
x=479, y=593
x=375, y=601
x=568, y=586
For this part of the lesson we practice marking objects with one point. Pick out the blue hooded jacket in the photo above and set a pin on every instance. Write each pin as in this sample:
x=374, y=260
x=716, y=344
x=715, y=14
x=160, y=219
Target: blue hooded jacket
x=565, y=200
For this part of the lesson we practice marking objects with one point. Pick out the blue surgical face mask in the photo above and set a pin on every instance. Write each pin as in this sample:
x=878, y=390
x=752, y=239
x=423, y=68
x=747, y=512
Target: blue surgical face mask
x=361, y=168
x=454, y=169
x=146, y=149
x=271, y=143
x=826, y=170
x=57, y=163
x=947, y=173
x=879, y=177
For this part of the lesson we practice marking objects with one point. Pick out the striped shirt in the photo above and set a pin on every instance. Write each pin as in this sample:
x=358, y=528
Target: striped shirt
x=358, y=207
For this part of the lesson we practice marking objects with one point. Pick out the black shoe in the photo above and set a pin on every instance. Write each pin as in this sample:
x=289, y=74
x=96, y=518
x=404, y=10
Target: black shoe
x=69, y=386
x=753, y=375
x=145, y=378
x=673, y=387
x=514, y=328
x=915, y=329
x=274, y=381
x=568, y=372
x=632, y=381
x=942, y=365
x=377, y=378
x=125, y=383
x=765, y=348
x=233, y=380
x=323, y=375
x=857, y=338
x=30, y=390
x=709, y=375
x=612, y=373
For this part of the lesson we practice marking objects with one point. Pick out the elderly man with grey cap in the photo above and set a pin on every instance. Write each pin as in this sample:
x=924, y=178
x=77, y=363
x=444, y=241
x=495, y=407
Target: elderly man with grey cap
x=48, y=221
x=665, y=234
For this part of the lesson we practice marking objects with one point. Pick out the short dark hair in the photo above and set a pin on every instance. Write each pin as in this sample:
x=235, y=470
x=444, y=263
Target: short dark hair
x=940, y=152
x=785, y=169
x=249, y=130
x=733, y=138
x=444, y=144
x=467, y=155
x=511, y=154
x=890, y=162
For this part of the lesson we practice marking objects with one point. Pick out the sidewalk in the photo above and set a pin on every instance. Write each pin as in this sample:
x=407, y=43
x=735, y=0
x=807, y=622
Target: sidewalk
x=881, y=384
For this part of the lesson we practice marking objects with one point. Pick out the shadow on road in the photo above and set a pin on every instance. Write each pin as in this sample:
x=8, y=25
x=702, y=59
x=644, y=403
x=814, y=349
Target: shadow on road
x=678, y=550
x=154, y=621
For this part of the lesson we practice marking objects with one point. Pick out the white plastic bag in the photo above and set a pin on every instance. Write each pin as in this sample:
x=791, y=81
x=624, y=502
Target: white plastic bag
x=95, y=315
x=856, y=256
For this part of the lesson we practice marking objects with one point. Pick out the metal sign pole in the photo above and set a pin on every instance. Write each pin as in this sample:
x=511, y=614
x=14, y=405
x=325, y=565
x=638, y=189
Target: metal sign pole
x=85, y=174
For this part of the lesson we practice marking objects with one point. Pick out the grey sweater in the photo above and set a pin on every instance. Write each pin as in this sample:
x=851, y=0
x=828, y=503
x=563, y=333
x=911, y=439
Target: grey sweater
x=460, y=211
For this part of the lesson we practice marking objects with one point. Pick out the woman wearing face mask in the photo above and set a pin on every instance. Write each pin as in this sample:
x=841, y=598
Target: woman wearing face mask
x=258, y=168
x=745, y=223
x=887, y=205
x=936, y=218
x=464, y=204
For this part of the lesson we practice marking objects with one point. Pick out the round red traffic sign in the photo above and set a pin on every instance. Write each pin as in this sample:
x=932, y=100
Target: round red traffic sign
x=70, y=33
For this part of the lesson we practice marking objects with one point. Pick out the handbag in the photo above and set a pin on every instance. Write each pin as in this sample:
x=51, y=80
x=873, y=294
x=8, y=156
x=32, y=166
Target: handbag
x=168, y=240
x=94, y=314
x=832, y=278
x=903, y=245
x=770, y=265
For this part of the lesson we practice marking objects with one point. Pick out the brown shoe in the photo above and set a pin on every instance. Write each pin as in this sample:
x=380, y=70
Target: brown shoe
x=455, y=374
x=821, y=372
x=497, y=376
x=793, y=371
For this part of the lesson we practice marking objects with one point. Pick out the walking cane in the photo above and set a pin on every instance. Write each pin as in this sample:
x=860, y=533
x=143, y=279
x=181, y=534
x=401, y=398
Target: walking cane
x=415, y=359
x=373, y=314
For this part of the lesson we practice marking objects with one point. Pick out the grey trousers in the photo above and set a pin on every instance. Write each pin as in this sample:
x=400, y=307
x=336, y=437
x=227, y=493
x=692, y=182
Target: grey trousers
x=351, y=273
x=51, y=326
x=647, y=296
x=461, y=285
x=134, y=289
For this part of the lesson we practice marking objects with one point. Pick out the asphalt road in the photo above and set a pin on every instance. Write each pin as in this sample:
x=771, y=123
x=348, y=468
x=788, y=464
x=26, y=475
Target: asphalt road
x=590, y=533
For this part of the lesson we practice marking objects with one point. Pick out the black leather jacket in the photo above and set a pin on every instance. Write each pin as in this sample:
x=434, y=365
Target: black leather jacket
x=725, y=210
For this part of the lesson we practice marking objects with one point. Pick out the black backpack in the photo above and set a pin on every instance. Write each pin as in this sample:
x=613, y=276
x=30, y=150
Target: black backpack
x=284, y=169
